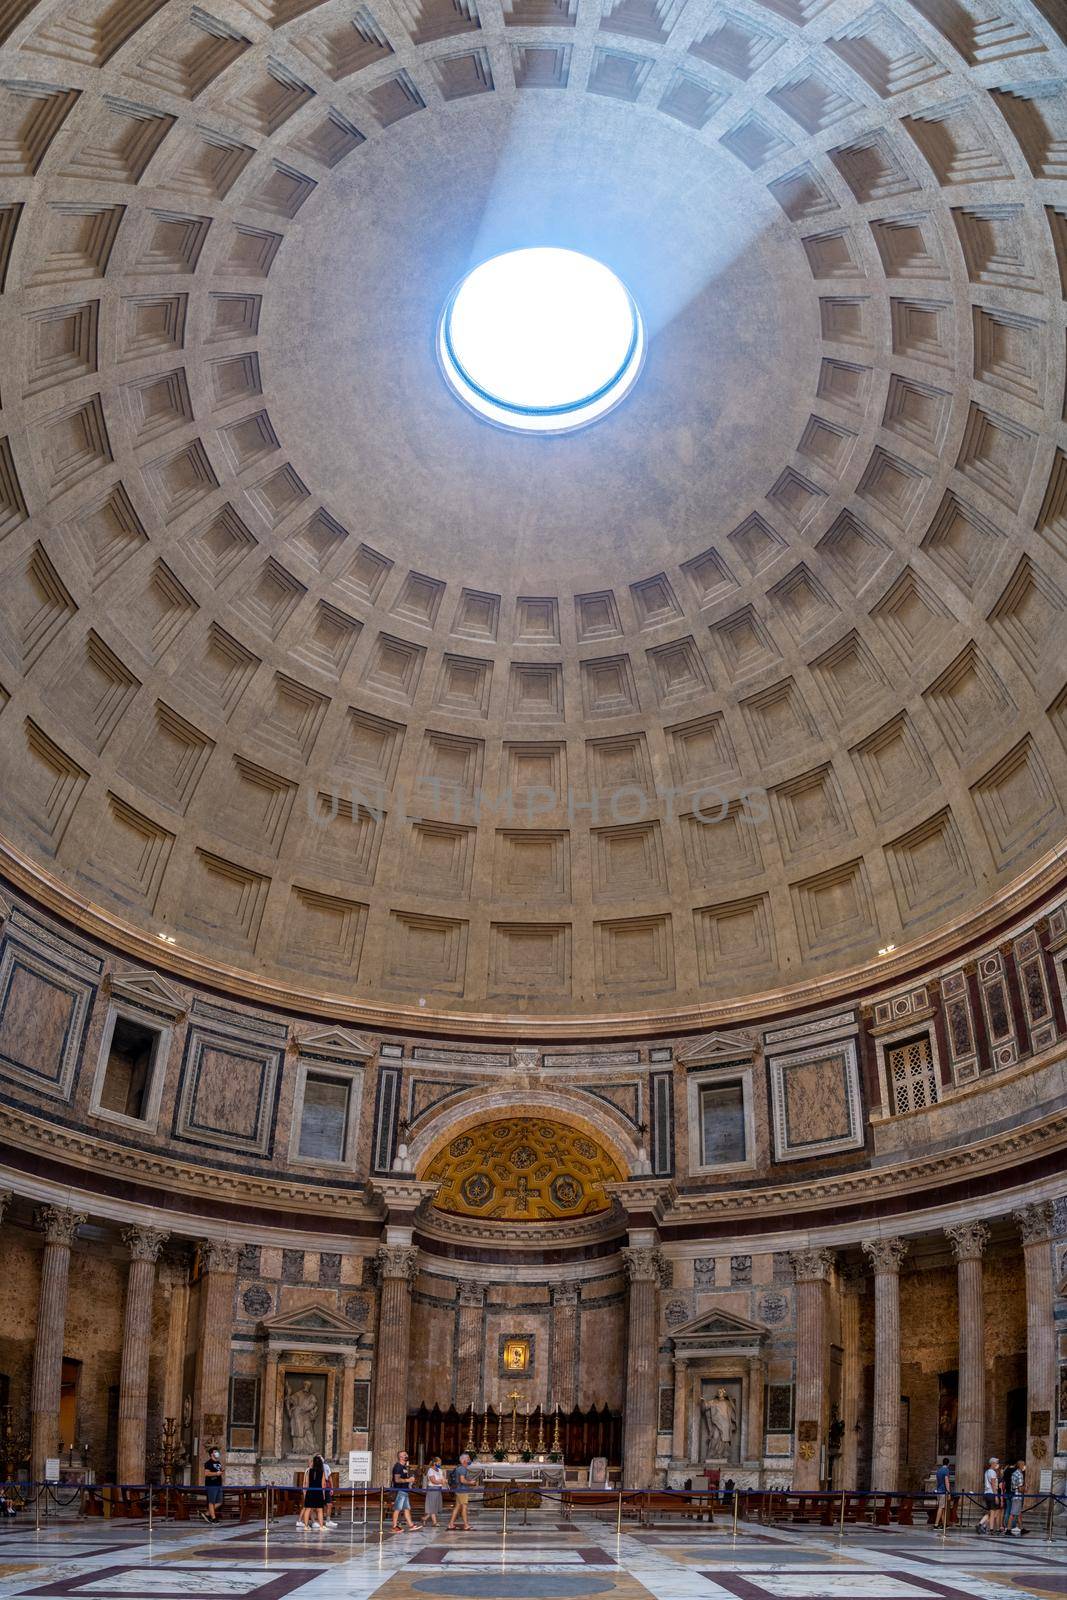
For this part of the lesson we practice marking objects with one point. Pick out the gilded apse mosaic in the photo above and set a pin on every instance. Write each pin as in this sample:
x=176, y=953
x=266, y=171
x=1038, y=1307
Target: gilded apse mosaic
x=523, y=1169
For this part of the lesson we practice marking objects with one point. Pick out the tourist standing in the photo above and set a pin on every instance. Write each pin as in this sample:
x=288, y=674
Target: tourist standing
x=327, y=1491
x=990, y=1523
x=314, y=1495
x=436, y=1483
x=462, y=1481
x=403, y=1478
x=212, y=1485
x=944, y=1489
x=1016, y=1486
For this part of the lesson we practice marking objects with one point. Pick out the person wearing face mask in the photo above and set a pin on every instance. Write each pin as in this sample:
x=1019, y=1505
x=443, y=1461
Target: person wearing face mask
x=212, y=1485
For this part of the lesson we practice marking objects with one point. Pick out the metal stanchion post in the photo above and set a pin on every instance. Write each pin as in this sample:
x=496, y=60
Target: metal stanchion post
x=37, y=1512
x=1051, y=1514
x=150, y=1512
x=504, y=1529
x=735, y=1513
x=618, y=1519
x=381, y=1515
x=841, y=1524
x=266, y=1516
x=352, y=1506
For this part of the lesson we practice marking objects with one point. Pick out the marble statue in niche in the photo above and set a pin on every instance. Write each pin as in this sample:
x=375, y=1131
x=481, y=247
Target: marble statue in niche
x=719, y=1424
x=304, y=1417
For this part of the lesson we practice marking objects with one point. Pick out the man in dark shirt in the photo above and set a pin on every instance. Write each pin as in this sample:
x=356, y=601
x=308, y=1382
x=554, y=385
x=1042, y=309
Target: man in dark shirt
x=212, y=1485
x=403, y=1478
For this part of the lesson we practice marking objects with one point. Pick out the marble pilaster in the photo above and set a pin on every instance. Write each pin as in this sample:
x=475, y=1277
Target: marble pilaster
x=268, y=1407
x=1035, y=1227
x=144, y=1245
x=348, y=1373
x=680, y=1437
x=968, y=1240
x=174, y=1277
x=470, y=1347
x=218, y=1260
x=644, y=1268
x=812, y=1269
x=885, y=1256
x=397, y=1265
x=59, y=1225
x=561, y=1383
x=851, y=1282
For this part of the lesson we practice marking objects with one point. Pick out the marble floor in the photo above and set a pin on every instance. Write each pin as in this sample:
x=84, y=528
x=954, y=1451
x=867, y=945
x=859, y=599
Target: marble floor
x=545, y=1559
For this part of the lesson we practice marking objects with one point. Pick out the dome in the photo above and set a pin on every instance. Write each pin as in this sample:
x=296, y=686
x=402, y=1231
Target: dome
x=316, y=687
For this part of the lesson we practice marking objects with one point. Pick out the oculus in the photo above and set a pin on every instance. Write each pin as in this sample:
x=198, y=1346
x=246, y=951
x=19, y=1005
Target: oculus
x=541, y=340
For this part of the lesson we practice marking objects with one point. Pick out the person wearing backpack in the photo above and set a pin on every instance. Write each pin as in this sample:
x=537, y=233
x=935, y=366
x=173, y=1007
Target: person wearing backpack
x=460, y=1481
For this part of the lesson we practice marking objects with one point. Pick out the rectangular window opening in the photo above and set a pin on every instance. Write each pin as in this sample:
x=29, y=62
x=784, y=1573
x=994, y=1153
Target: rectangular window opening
x=128, y=1073
x=324, y=1120
x=722, y=1124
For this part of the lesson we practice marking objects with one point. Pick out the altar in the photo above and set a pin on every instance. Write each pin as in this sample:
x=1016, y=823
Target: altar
x=538, y=1474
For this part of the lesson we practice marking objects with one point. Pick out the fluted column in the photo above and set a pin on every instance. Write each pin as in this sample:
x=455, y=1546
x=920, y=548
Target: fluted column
x=851, y=1287
x=396, y=1268
x=144, y=1246
x=644, y=1267
x=1035, y=1226
x=885, y=1257
x=470, y=1346
x=218, y=1261
x=968, y=1240
x=174, y=1277
x=561, y=1390
x=59, y=1226
x=811, y=1268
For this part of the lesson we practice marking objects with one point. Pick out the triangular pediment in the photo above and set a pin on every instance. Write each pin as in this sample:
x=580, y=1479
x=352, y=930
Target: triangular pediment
x=310, y=1322
x=712, y=1047
x=719, y=1325
x=336, y=1044
x=149, y=989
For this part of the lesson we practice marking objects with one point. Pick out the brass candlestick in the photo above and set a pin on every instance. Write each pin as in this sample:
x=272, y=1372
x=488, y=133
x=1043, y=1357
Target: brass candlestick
x=557, y=1448
x=486, y=1445
x=514, y=1397
x=470, y=1445
x=540, y=1429
x=526, y=1431
x=499, y=1430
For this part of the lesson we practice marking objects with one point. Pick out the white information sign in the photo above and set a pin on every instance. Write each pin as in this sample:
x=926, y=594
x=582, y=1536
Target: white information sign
x=359, y=1466
x=51, y=1469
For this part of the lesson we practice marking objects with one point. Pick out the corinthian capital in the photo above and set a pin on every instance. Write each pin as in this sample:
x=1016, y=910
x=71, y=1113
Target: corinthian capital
x=59, y=1224
x=397, y=1261
x=646, y=1265
x=144, y=1244
x=218, y=1255
x=968, y=1240
x=472, y=1294
x=809, y=1266
x=1035, y=1222
x=885, y=1255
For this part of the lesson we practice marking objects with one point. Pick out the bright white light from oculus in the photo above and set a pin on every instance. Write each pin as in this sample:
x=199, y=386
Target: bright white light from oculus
x=541, y=340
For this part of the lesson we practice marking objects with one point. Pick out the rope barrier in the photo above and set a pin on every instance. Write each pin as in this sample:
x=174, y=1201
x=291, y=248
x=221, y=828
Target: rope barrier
x=826, y=1506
